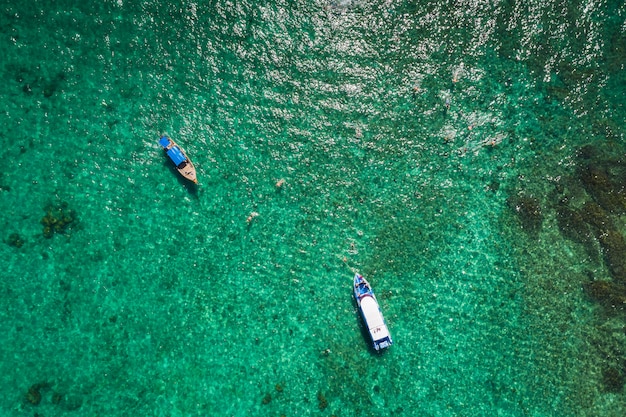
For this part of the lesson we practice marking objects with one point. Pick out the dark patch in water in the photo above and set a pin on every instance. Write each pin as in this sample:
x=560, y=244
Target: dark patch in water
x=605, y=188
x=608, y=294
x=528, y=211
x=613, y=379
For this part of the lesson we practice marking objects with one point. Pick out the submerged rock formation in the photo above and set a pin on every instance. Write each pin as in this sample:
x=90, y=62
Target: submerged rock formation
x=604, y=179
x=613, y=379
x=572, y=224
x=528, y=211
x=609, y=294
x=15, y=240
x=610, y=239
x=58, y=219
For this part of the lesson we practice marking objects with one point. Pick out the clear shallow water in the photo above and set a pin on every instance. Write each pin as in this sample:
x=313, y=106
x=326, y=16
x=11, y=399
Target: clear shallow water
x=428, y=146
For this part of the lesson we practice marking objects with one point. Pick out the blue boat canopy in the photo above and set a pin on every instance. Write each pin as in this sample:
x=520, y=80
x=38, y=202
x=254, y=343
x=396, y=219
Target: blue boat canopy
x=176, y=155
x=164, y=141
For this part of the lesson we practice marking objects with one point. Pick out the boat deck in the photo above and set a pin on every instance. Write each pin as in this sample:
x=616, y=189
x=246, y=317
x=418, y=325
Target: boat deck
x=374, y=318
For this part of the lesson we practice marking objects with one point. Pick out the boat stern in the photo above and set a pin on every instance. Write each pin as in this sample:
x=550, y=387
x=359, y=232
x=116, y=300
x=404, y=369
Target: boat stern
x=383, y=343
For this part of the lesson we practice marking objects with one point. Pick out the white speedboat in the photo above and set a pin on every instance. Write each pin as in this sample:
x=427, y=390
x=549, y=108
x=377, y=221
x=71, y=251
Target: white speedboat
x=370, y=311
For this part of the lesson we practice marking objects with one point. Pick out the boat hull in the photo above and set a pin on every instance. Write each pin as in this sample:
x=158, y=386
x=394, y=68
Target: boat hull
x=371, y=314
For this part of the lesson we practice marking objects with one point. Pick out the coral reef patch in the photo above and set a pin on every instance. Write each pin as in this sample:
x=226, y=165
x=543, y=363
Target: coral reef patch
x=15, y=240
x=58, y=219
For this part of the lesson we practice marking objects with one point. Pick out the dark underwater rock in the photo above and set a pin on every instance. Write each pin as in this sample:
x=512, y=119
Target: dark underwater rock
x=595, y=179
x=614, y=249
x=57, y=398
x=493, y=186
x=596, y=217
x=53, y=85
x=607, y=188
x=572, y=224
x=610, y=295
x=528, y=211
x=588, y=152
x=15, y=240
x=611, y=240
x=58, y=219
x=322, y=403
x=613, y=380
x=33, y=395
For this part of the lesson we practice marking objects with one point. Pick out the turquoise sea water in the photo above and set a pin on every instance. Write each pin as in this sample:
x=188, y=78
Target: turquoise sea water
x=467, y=157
